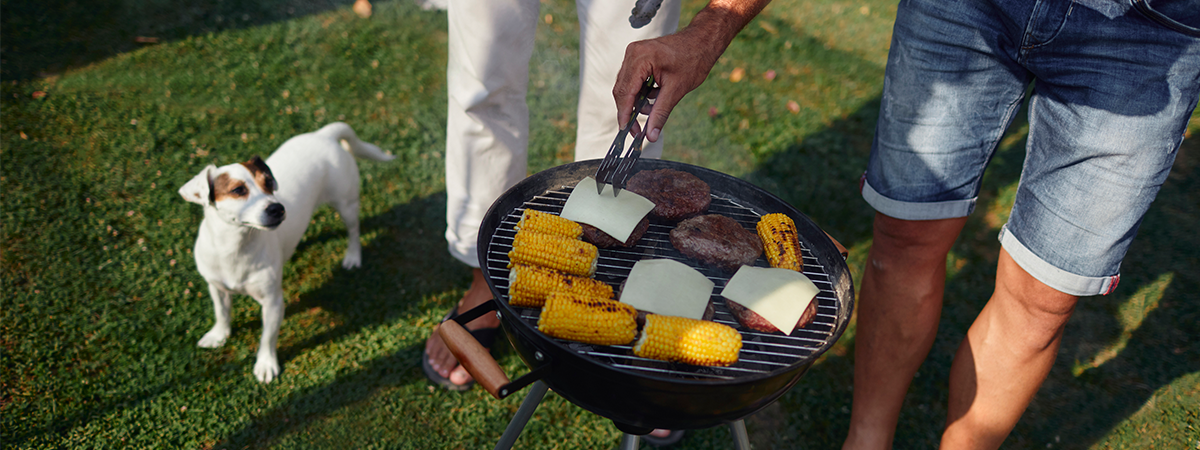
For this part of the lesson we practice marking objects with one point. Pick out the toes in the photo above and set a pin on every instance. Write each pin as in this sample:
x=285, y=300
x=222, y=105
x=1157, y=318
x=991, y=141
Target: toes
x=208, y=342
x=353, y=257
x=213, y=339
x=460, y=376
x=266, y=370
x=442, y=362
x=440, y=357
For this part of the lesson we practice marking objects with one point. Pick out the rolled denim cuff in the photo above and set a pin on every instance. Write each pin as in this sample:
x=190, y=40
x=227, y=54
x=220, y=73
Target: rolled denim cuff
x=916, y=211
x=1048, y=274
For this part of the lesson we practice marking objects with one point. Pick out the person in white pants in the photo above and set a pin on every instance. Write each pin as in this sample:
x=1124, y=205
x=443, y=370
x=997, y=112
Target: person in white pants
x=487, y=129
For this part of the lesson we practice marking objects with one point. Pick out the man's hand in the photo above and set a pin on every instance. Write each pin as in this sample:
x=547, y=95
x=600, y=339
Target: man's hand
x=679, y=62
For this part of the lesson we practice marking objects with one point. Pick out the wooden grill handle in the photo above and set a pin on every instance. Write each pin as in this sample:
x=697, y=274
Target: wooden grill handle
x=845, y=253
x=476, y=359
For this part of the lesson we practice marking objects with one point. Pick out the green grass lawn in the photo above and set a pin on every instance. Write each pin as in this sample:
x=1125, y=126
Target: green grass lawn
x=102, y=306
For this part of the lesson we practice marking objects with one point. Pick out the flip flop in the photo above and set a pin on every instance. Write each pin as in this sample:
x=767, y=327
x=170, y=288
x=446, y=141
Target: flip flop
x=671, y=439
x=485, y=336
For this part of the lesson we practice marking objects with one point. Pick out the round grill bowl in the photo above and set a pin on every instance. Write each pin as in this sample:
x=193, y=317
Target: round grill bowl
x=610, y=380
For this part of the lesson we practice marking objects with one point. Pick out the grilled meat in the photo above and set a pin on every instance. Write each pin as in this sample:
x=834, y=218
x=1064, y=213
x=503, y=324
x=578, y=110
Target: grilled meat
x=717, y=240
x=756, y=322
x=676, y=194
x=605, y=240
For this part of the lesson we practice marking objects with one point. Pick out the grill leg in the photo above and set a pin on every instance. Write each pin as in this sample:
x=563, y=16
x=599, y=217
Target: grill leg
x=630, y=442
x=741, y=440
x=524, y=413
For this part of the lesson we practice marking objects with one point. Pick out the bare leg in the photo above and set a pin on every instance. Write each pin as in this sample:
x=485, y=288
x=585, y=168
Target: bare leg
x=439, y=355
x=899, y=306
x=1005, y=357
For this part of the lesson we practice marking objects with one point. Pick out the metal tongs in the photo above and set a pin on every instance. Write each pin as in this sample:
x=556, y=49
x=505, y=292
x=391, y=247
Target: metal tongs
x=614, y=169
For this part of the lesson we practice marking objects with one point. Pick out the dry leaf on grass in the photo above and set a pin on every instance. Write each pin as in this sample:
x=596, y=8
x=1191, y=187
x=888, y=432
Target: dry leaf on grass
x=737, y=75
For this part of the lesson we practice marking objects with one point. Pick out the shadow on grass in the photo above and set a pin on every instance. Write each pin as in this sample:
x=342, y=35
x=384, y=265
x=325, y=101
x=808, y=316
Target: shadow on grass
x=405, y=262
x=305, y=406
x=399, y=257
x=403, y=265
x=42, y=37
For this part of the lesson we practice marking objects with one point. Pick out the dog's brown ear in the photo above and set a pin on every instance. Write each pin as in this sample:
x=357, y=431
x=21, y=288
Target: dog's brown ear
x=199, y=189
x=262, y=173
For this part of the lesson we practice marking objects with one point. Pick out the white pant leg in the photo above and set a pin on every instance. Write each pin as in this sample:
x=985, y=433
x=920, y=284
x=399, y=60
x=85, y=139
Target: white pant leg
x=487, y=123
x=604, y=33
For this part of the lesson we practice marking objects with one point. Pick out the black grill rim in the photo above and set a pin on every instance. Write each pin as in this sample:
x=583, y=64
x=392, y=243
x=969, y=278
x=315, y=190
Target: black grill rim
x=831, y=328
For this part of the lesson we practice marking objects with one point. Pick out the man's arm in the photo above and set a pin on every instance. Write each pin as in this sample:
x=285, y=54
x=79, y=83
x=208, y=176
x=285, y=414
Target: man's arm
x=680, y=62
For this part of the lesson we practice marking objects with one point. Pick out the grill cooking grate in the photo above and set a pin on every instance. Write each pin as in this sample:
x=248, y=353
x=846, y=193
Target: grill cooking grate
x=761, y=353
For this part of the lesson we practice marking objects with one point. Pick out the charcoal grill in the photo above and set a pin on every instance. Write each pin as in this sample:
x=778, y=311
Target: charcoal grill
x=640, y=394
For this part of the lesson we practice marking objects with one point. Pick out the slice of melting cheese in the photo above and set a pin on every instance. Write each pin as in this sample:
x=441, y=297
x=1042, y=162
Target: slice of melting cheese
x=778, y=295
x=667, y=287
x=617, y=216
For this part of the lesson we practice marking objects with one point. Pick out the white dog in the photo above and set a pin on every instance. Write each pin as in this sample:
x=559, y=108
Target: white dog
x=244, y=238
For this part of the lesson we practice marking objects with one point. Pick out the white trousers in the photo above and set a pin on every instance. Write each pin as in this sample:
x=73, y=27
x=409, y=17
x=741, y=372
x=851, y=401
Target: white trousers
x=487, y=126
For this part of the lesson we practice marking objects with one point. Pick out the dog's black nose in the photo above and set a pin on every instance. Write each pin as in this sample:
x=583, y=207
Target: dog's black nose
x=273, y=215
x=275, y=211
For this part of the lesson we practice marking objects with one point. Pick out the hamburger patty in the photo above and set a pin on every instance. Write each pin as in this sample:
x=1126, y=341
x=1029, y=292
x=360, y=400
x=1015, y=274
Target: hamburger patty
x=605, y=240
x=717, y=240
x=676, y=194
x=753, y=321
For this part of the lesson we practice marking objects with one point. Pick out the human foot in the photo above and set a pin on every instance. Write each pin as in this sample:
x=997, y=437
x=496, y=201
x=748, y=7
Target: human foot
x=439, y=358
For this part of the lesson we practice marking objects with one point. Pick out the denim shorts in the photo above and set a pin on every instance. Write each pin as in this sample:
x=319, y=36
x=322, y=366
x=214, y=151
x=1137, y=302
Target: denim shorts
x=1113, y=85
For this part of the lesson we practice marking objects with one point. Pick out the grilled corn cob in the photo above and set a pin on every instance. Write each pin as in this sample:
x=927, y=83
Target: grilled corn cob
x=530, y=285
x=781, y=241
x=593, y=320
x=542, y=222
x=697, y=342
x=559, y=253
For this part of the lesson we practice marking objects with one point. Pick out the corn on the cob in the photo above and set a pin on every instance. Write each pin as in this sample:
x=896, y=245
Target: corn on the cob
x=559, y=253
x=781, y=241
x=542, y=222
x=697, y=342
x=530, y=285
x=592, y=320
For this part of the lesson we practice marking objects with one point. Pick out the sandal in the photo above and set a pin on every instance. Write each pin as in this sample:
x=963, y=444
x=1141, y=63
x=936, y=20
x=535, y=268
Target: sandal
x=485, y=336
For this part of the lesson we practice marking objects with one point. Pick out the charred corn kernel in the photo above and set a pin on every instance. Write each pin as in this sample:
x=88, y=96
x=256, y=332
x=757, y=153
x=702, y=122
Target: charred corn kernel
x=697, y=342
x=559, y=253
x=530, y=285
x=533, y=221
x=593, y=320
x=781, y=241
